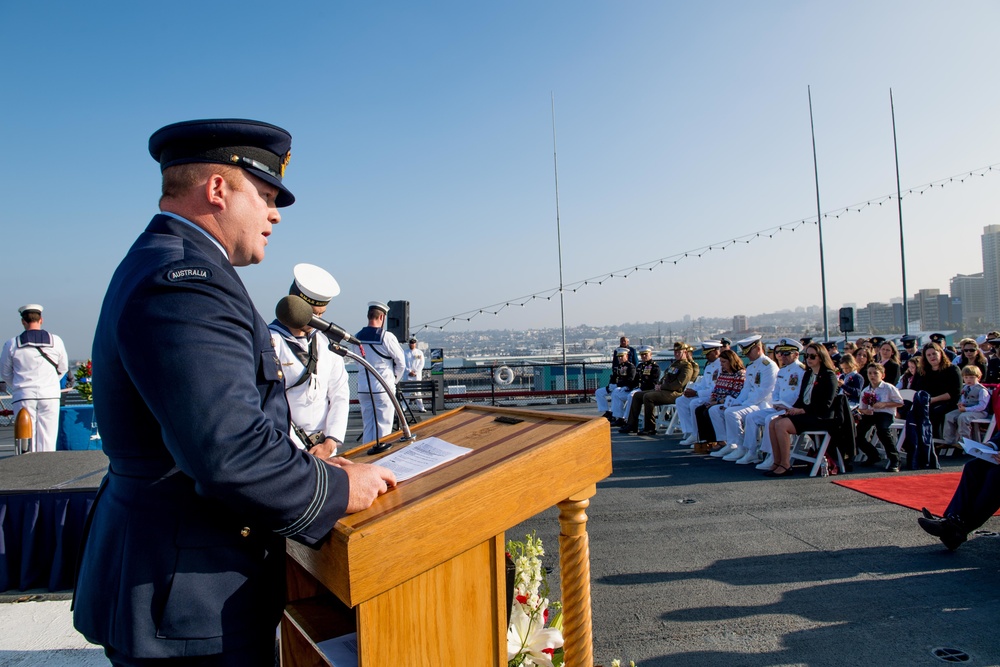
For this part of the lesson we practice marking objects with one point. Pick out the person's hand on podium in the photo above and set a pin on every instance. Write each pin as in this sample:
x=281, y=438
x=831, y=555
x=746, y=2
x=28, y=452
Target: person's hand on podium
x=368, y=482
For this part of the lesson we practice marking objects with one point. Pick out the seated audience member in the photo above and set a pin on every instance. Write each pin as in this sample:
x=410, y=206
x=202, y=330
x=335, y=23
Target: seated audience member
x=647, y=376
x=813, y=410
x=621, y=394
x=699, y=391
x=973, y=404
x=976, y=499
x=850, y=347
x=761, y=374
x=969, y=353
x=786, y=390
x=850, y=381
x=942, y=340
x=729, y=384
x=990, y=350
x=888, y=358
x=878, y=408
x=671, y=385
x=862, y=357
x=622, y=372
x=909, y=343
x=909, y=375
x=941, y=380
x=831, y=349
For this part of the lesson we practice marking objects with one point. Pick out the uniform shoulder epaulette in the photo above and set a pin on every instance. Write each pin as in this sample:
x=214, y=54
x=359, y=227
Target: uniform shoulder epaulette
x=766, y=361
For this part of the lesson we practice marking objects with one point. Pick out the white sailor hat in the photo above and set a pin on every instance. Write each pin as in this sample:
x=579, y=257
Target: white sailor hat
x=621, y=350
x=980, y=339
x=29, y=308
x=314, y=284
x=645, y=349
x=711, y=345
x=749, y=342
x=378, y=304
x=788, y=345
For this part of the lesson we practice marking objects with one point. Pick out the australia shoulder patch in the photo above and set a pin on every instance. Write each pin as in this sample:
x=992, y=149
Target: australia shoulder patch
x=189, y=273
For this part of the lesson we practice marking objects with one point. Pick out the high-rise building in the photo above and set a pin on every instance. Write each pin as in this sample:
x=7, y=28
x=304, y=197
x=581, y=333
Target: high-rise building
x=991, y=274
x=970, y=290
x=740, y=324
x=923, y=307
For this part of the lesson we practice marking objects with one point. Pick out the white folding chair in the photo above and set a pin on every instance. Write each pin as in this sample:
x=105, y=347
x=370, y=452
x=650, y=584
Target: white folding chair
x=667, y=417
x=821, y=440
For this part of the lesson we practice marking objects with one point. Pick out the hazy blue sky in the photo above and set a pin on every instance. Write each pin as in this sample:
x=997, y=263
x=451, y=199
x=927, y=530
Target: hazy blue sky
x=422, y=151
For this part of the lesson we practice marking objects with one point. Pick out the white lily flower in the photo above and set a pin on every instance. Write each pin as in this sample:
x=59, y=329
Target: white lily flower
x=527, y=636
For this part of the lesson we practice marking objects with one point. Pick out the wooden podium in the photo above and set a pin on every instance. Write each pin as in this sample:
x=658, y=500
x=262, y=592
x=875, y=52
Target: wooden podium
x=420, y=574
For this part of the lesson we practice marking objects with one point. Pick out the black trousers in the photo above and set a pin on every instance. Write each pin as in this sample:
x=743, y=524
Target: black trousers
x=706, y=431
x=881, y=421
x=977, y=497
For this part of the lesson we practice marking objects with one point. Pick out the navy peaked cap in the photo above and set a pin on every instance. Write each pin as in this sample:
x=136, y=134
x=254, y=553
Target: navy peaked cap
x=261, y=148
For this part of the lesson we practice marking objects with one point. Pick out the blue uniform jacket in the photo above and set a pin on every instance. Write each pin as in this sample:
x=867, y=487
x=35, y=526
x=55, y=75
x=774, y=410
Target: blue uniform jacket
x=185, y=553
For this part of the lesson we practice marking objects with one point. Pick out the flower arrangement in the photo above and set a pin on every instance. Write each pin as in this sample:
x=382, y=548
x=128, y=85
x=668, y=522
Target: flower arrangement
x=869, y=399
x=84, y=377
x=532, y=637
x=529, y=641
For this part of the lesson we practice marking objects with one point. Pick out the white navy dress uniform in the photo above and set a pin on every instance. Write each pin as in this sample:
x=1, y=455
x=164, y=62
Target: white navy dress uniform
x=415, y=370
x=316, y=381
x=32, y=364
x=703, y=385
x=756, y=394
x=381, y=349
x=783, y=396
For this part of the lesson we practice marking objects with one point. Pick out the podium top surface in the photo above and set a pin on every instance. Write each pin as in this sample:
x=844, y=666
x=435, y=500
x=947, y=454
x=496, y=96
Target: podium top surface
x=513, y=472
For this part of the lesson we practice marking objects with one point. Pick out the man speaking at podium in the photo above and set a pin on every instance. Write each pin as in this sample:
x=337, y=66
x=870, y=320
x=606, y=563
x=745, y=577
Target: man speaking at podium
x=184, y=559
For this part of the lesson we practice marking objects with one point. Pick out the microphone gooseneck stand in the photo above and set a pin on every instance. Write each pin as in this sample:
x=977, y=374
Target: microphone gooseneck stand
x=379, y=447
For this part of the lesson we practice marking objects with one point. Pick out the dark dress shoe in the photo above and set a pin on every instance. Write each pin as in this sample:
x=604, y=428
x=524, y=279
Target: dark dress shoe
x=780, y=471
x=869, y=462
x=927, y=514
x=628, y=429
x=948, y=529
x=648, y=432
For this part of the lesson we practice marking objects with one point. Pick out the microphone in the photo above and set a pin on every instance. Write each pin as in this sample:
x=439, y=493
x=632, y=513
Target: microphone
x=295, y=313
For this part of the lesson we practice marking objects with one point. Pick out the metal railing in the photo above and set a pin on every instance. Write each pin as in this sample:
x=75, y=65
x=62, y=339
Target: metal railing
x=518, y=384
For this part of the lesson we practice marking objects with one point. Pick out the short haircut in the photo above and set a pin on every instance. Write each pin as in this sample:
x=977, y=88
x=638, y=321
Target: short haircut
x=878, y=367
x=374, y=313
x=179, y=179
x=972, y=369
x=31, y=316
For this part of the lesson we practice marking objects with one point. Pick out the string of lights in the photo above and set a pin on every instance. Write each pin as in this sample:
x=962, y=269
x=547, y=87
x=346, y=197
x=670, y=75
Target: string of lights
x=770, y=232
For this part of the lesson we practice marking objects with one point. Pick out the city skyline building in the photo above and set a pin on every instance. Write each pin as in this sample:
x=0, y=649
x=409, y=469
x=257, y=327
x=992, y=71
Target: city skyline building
x=991, y=273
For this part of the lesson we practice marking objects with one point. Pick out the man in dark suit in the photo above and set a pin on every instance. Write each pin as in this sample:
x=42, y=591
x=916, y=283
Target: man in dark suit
x=184, y=559
x=976, y=499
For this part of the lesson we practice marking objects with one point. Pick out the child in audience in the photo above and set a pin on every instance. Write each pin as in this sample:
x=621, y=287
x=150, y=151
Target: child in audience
x=878, y=407
x=972, y=404
x=850, y=381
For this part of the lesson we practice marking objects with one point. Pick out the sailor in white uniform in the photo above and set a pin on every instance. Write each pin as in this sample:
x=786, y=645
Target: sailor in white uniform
x=316, y=387
x=784, y=395
x=32, y=365
x=698, y=392
x=414, y=370
x=381, y=349
x=756, y=394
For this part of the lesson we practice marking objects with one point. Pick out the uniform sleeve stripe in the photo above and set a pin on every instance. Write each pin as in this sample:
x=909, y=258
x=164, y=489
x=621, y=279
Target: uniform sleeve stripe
x=318, y=500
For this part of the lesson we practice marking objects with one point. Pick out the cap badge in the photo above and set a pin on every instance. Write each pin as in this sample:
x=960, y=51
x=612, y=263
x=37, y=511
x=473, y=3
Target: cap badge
x=284, y=163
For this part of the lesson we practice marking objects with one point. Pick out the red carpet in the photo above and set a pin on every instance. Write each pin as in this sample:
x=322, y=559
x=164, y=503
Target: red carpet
x=930, y=490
